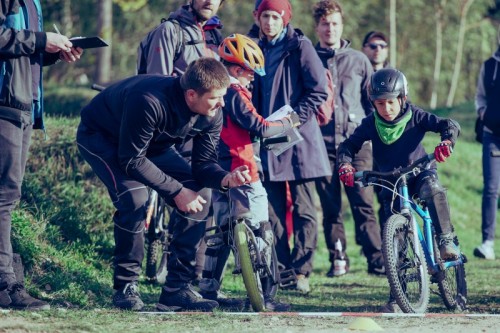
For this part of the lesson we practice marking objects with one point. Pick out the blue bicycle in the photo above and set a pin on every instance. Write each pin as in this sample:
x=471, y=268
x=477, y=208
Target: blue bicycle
x=412, y=258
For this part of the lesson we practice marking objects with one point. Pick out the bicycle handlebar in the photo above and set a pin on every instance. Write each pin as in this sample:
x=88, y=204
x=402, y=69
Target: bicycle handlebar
x=420, y=163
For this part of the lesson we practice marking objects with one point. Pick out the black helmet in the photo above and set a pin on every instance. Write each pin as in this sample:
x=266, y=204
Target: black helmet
x=388, y=83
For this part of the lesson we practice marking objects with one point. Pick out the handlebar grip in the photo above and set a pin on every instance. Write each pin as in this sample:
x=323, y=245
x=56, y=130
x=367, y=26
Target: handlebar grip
x=97, y=87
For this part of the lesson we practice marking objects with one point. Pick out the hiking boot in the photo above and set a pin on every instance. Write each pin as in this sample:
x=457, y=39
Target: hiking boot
x=447, y=248
x=485, y=251
x=20, y=299
x=128, y=297
x=224, y=301
x=275, y=306
x=184, y=298
x=303, y=284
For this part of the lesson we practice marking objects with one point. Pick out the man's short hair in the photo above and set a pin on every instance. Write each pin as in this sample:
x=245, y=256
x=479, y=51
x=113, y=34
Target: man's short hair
x=205, y=74
x=325, y=8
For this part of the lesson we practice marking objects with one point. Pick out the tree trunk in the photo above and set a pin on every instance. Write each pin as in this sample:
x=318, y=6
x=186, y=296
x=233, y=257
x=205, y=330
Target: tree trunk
x=104, y=29
x=439, y=52
x=392, y=32
x=464, y=9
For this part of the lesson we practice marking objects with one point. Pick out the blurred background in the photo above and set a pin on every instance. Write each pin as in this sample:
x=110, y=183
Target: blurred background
x=438, y=44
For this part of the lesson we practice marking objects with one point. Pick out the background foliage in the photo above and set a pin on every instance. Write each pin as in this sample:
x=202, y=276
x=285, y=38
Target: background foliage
x=415, y=33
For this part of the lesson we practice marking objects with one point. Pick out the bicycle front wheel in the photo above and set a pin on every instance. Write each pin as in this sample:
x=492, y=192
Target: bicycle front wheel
x=405, y=265
x=247, y=252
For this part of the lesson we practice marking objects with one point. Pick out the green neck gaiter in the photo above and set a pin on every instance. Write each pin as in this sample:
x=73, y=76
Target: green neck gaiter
x=389, y=133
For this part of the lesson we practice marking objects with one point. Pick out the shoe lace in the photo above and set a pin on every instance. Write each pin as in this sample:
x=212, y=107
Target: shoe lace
x=131, y=289
x=16, y=287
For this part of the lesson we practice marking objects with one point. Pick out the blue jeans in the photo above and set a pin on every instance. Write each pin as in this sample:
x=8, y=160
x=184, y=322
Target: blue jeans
x=491, y=180
x=14, y=145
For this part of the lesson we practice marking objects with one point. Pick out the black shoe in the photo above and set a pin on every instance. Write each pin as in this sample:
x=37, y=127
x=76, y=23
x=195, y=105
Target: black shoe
x=275, y=306
x=376, y=270
x=20, y=299
x=224, y=301
x=184, y=298
x=128, y=297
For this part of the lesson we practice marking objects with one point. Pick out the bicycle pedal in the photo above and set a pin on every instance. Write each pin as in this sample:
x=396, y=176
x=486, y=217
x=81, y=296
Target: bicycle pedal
x=288, y=279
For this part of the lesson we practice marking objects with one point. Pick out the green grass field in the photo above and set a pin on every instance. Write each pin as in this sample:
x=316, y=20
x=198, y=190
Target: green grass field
x=63, y=231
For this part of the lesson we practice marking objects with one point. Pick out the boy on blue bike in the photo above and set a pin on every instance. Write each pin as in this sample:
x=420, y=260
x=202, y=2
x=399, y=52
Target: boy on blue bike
x=396, y=131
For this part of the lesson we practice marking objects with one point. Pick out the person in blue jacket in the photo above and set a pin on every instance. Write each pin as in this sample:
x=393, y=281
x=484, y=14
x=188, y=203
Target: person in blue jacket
x=24, y=49
x=295, y=76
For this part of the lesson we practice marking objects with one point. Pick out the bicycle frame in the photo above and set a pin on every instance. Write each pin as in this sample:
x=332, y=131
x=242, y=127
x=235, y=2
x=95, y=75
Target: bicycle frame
x=424, y=234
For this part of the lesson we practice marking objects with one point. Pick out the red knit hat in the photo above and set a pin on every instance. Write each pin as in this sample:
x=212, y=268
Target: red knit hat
x=282, y=7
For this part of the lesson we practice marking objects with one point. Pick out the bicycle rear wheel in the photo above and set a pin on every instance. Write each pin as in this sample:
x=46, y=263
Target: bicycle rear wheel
x=157, y=239
x=247, y=253
x=452, y=284
x=406, y=267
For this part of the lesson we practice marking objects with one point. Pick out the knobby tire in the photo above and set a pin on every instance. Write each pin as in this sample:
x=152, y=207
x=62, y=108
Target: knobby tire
x=406, y=267
x=250, y=274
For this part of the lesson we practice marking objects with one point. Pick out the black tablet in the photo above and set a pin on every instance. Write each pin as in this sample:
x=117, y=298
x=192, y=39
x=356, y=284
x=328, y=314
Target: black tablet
x=88, y=42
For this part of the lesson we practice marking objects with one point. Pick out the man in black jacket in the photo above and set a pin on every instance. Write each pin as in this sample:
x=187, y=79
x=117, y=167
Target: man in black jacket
x=24, y=49
x=127, y=134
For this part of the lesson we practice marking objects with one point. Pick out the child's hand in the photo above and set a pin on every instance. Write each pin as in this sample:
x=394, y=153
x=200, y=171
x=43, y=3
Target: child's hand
x=294, y=119
x=346, y=174
x=443, y=151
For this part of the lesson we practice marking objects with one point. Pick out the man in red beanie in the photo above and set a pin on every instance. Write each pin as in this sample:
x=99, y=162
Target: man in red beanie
x=295, y=76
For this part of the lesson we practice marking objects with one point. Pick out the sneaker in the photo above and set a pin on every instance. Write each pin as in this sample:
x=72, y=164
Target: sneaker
x=275, y=306
x=223, y=300
x=485, y=251
x=20, y=299
x=303, y=284
x=447, y=248
x=332, y=273
x=184, y=298
x=128, y=297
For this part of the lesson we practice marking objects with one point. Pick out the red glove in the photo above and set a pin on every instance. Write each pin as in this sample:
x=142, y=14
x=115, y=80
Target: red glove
x=443, y=150
x=346, y=174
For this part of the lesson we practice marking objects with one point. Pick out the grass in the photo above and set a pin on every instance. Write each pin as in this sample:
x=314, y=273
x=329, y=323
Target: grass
x=63, y=231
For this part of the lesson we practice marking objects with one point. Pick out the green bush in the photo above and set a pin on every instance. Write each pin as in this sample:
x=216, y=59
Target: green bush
x=66, y=101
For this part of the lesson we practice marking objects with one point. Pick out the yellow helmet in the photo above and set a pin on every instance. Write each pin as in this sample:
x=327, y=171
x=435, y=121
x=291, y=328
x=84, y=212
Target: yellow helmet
x=241, y=50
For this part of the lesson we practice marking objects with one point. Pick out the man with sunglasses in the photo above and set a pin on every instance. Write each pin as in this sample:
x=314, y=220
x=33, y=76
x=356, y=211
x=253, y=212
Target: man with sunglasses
x=351, y=71
x=376, y=48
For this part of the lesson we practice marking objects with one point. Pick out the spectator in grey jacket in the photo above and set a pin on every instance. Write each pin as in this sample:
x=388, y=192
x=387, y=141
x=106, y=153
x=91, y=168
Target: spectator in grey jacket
x=189, y=33
x=351, y=72
x=294, y=77
x=24, y=50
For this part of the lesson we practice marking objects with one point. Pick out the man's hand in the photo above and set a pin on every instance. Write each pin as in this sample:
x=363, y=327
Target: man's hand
x=346, y=174
x=57, y=43
x=443, y=150
x=73, y=55
x=189, y=201
x=238, y=177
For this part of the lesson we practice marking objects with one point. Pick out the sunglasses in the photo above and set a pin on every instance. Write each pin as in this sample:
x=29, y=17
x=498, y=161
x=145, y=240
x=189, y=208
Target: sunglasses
x=374, y=46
